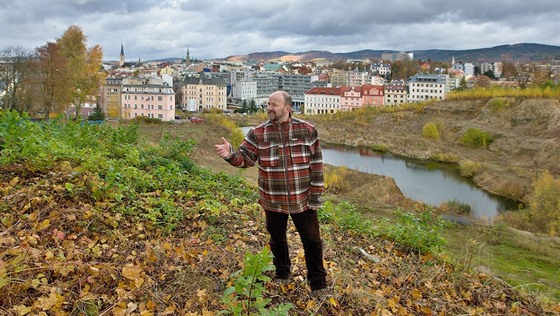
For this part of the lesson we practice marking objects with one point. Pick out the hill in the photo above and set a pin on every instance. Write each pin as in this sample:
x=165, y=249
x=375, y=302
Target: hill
x=523, y=52
x=119, y=219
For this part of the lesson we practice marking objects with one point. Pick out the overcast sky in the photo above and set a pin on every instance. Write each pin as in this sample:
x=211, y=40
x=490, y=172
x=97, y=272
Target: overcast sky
x=151, y=29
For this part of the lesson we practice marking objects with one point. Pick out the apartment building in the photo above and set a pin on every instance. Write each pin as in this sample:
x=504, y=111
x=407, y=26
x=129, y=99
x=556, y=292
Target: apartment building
x=322, y=100
x=202, y=91
x=426, y=87
x=351, y=98
x=244, y=89
x=110, y=98
x=396, y=93
x=150, y=98
x=337, y=79
x=356, y=78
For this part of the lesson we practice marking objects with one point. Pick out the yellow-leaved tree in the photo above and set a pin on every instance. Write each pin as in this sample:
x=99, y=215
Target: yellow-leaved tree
x=84, y=64
x=544, y=204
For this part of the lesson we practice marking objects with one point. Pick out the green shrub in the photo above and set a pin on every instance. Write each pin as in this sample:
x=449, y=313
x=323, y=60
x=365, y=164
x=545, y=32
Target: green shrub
x=379, y=147
x=475, y=138
x=498, y=104
x=544, y=204
x=423, y=233
x=430, y=131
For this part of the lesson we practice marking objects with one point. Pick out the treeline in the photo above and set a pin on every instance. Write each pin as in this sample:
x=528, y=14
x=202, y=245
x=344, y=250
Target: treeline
x=53, y=78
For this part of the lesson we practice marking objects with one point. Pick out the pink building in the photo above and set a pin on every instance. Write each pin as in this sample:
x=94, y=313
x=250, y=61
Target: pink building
x=372, y=95
x=350, y=98
x=152, y=100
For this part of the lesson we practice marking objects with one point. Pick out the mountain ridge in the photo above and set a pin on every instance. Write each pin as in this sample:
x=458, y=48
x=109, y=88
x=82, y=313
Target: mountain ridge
x=521, y=52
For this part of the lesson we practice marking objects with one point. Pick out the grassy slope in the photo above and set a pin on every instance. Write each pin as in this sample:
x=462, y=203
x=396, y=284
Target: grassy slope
x=522, y=259
x=64, y=251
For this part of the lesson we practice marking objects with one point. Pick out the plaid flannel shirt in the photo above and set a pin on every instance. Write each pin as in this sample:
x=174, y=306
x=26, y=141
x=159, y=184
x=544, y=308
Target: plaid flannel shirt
x=290, y=164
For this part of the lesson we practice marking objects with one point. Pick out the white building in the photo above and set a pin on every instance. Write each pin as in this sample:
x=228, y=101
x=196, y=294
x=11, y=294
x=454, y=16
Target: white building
x=244, y=89
x=322, y=100
x=396, y=93
x=381, y=69
x=426, y=87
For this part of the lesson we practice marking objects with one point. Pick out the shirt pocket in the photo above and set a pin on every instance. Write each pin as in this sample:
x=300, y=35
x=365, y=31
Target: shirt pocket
x=268, y=156
x=300, y=151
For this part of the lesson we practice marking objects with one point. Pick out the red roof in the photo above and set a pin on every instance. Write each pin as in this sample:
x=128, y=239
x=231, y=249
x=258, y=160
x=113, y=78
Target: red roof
x=325, y=91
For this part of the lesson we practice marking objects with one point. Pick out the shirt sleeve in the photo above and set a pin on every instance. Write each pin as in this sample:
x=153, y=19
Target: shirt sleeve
x=246, y=155
x=317, y=185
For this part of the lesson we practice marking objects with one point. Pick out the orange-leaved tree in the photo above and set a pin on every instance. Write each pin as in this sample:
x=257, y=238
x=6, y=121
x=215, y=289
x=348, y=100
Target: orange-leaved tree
x=52, y=80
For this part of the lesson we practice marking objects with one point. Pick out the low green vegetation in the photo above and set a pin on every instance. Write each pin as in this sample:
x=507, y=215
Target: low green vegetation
x=246, y=295
x=499, y=104
x=476, y=138
x=528, y=262
x=430, y=131
x=422, y=233
x=497, y=91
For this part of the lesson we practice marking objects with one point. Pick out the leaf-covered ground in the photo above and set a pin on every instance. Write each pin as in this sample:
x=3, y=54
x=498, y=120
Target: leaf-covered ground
x=79, y=239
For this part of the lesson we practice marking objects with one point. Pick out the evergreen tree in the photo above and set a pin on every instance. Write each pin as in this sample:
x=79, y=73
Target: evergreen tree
x=97, y=114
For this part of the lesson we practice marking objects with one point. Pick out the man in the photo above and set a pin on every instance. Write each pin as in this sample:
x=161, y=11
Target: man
x=290, y=180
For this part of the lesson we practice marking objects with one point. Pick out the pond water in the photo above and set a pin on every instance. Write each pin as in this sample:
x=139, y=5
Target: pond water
x=426, y=181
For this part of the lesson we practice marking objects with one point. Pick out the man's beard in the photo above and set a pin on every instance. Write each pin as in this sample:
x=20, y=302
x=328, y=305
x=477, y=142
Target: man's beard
x=272, y=116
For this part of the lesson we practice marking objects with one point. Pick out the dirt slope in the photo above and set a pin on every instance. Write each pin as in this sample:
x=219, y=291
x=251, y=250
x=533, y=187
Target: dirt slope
x=526, y=138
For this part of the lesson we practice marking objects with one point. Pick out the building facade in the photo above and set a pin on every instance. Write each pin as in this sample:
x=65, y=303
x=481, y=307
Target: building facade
x=426, y=87
x=373, y=95
x=351, y=98
x=147, y=99
x=322, y=100
x=110, y=98
x=204, y=92
x=396, y=93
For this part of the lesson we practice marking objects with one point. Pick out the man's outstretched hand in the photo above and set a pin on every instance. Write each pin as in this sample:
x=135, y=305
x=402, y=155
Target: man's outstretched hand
x=223, y=149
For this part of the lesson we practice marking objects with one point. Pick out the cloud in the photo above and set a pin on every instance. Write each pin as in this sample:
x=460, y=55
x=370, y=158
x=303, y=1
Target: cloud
x=218, y=28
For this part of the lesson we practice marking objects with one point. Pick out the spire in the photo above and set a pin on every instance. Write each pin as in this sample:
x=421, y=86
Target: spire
x=188, y=58
x=121, y=61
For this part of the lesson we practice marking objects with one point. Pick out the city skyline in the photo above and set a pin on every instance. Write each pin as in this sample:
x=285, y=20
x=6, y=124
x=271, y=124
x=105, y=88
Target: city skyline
x=217, y=29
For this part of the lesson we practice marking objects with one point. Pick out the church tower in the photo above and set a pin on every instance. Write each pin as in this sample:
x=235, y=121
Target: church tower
x=121, y=62
x=188, y=58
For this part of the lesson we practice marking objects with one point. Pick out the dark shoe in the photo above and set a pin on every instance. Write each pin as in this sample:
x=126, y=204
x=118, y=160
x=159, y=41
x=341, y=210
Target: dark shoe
x=322, y=294
x=281, y=280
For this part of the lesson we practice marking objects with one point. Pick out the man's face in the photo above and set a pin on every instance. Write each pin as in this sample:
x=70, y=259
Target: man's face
x=277, y=110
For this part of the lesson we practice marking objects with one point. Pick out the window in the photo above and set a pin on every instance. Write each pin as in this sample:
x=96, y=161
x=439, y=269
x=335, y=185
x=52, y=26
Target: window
x=160, y=98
